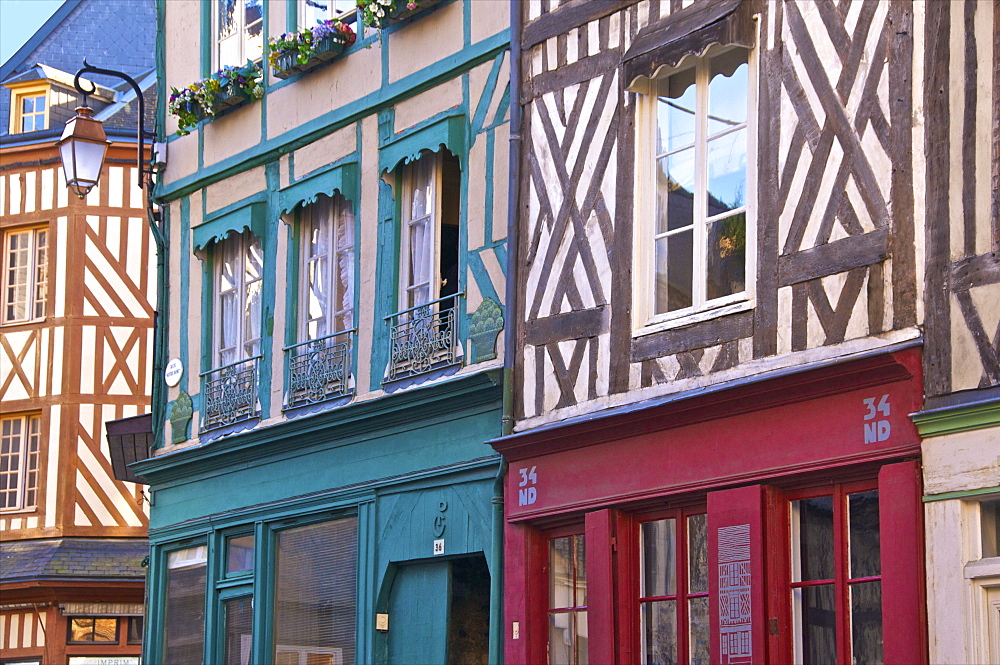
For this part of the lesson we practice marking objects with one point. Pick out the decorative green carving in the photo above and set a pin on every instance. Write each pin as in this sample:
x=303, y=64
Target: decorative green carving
x=180, y=418
x=485, y=327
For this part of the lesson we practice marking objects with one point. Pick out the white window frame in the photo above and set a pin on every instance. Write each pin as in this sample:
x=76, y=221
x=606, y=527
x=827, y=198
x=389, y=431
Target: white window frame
x=247, y=340
x=432, y=245
x=34, y=272
x=346, y=15
x=644, y=319
x=337, y=303
x=239, y=34
x=27, y=458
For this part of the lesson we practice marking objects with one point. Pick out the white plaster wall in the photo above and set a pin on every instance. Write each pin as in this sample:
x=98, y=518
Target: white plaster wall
x=962, y=462
x=947, y=524
x=408, y=52
x=231, y=190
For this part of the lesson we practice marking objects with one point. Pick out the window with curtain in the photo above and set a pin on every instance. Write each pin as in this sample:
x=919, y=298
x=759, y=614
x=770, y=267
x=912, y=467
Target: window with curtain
x=315, y=591
x=327, y=278
x=238, y=262
x=430, y=231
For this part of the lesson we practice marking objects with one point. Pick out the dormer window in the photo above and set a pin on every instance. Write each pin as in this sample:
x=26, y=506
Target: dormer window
x=29, y=108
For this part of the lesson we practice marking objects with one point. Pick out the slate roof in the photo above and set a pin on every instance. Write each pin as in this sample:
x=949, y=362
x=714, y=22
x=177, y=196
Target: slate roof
x=72, y=559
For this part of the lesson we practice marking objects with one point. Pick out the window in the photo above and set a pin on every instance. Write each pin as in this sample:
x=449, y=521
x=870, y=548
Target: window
x=184, y=614
x=135, y=629
x=836, y=585
x=32, y=113
x=238, y=282
x=87, y=630
x=239, y=31
x=989, y=526
x=315, y=592
x=429, y=243
x=20, y=439
x=567, y=601
x=696, y=247
x=673, y=593
x=29, y=106
x=327, y=287
x=25, y=274
x=312, y=12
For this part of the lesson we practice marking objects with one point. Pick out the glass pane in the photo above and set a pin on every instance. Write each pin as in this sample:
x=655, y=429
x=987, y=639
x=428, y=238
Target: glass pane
x=314, y=11
x=184, y=623
x=568, y=638
x=673, y=272
x=238, y=614
x=812, y=539
x=135, y=629
x=726, y=262
x=727, y=173
x=727, y=91
x=989, y=523
x=581, y=571
x=816, y=625
x=697, y=553
x=866, y=623
x=866, y=553
x=659, y=632
x=659, y=559
x=28, y=105
x=106, y=629
x=675, y=122
x=226, y=19
x=561, y=572
x=239, y=556
x=675, y=191
x=254, y=29
x=81, y=629
x=698, y=645
x=315, y=592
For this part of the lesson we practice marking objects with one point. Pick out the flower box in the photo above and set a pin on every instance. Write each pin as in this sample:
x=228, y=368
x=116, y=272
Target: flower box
x=227, y=100
x=393, y=12
x=291, y=62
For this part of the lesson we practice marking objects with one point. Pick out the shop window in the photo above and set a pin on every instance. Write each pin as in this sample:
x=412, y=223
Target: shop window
x=989, y=524
x=239, y=31
x=184, y=610
x=235, y=598
x=88, y=630
x=20, y=441
x=695, y=217
x=315, y=591
x=836, y=584
x=673, y=593
x=567, y=606
x=25, y=274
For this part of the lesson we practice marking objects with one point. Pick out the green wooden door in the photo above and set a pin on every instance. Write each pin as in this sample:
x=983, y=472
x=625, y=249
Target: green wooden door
x=418, y=614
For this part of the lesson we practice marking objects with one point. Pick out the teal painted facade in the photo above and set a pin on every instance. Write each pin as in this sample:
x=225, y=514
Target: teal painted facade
x=401, y=464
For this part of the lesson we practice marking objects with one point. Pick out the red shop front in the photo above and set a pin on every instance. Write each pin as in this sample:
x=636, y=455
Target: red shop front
x=774, y=522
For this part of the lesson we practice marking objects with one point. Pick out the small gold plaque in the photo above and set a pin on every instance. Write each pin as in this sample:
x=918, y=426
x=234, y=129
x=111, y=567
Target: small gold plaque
x=382, y=622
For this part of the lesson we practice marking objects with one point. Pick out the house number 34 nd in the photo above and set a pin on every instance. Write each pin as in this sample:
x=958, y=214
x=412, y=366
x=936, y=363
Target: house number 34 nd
x=526, y=493
x=877, y=427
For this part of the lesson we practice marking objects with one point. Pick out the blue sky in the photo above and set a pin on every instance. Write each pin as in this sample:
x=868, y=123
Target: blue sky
x=19, y=19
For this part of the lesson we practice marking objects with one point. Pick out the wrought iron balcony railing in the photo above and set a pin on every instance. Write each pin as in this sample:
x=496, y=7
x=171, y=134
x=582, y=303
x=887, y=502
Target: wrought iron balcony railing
x=318, y=370
x=230, y=394
x=424, y=338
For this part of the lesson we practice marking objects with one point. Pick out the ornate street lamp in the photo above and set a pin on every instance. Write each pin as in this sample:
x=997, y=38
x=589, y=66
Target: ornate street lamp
x=81, y=149
x=84, y=143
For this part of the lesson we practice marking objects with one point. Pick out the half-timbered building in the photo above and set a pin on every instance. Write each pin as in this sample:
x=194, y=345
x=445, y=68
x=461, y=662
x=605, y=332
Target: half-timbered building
x=747, y=233
x=960, y=421
x=76, y=327
x=322, y=491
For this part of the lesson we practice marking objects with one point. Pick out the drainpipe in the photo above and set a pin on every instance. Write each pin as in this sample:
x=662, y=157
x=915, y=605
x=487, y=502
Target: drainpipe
x=497, y=626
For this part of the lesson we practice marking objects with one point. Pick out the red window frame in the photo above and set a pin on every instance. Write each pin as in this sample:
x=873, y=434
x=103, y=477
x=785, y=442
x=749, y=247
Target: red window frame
x=576, y=533
x=682, y=595
x=841, y=580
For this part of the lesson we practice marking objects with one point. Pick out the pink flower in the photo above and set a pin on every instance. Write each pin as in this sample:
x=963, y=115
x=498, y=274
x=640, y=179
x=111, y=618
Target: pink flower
x=411, y=5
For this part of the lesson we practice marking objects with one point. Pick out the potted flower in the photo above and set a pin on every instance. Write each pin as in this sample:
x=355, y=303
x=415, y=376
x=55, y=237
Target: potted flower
x=219, y=92
x=382, y=13
x=296, y=52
